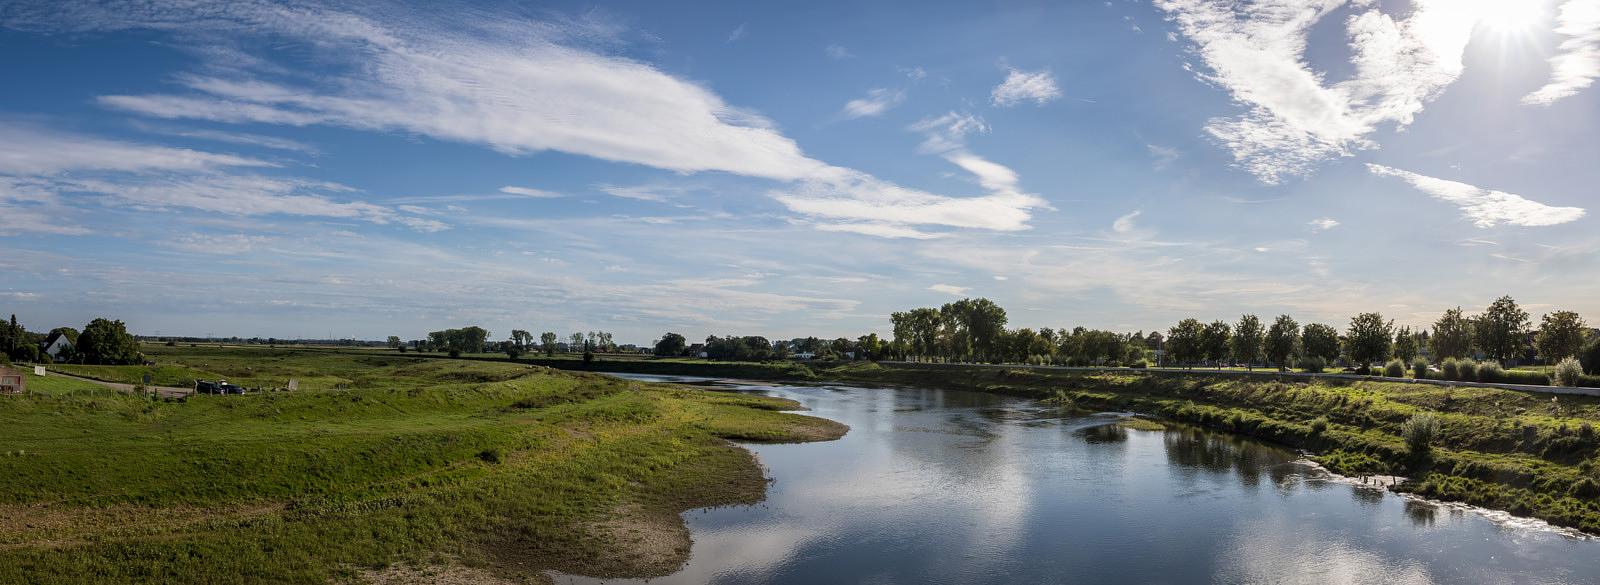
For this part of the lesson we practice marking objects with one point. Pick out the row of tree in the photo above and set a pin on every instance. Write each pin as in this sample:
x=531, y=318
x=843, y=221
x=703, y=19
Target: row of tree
x=103, y=341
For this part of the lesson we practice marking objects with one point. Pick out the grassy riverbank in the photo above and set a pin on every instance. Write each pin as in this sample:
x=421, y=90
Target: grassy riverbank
x=501, y=468
x=1530, y=454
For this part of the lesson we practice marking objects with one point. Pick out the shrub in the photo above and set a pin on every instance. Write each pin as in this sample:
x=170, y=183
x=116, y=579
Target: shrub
x=1394, y=369
x=1139, y=364
x=1419, y=431
x=1490, y=371
x=1319, y=426
x=1419, y=369
x=1313, y=364
x=1449, y=370
x=455, y=353
x=1467, y=370
x=1567, y=373
x=1590, y=356
x=489, y=455
x=1525, y=377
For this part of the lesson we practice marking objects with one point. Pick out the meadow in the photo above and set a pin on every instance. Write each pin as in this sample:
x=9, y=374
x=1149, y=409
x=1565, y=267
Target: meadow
x=381, y=468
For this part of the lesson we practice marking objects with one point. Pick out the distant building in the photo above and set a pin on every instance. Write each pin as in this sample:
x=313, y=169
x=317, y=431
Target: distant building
x=804, y=355
x=57, y=345
x=11, y=381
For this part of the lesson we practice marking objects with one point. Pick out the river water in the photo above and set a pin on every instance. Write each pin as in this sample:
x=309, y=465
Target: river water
x=938, y=486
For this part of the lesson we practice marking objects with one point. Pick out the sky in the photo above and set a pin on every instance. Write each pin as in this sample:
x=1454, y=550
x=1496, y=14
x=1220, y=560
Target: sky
x=305, y=170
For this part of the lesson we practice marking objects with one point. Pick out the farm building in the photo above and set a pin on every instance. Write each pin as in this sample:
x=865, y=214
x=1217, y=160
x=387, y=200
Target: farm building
x=11, y=381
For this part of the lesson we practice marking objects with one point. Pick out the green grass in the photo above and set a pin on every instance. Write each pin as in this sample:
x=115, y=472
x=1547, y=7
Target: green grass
x=1529, y=453
x=160, y=375
x=102, y=486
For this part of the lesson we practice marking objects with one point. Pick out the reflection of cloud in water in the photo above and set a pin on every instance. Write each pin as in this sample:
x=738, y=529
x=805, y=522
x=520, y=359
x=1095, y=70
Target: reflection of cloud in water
x=1281, y=552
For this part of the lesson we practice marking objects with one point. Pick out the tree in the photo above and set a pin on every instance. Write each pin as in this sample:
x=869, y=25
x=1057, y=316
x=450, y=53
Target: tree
x=1502, y=329
x=548, y=341
x=1452, y=336
x=1247, y=339
x=1320, y=341
x=394, y=341
x=522, y=338
x=1214, y=342
x=1279, y=344
x=1560, y=335
x=1370, y=339
x=671, y=344
x=107, y=342
x=1405, y=345
x=512, y=348
x=1183, y=341
x=575, y=342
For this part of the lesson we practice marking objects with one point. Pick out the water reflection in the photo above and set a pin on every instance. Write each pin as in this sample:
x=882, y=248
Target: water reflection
x=951, y=487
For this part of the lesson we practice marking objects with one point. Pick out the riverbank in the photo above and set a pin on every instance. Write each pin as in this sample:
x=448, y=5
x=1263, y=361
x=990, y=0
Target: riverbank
x=388, y=468
x=1528, y=454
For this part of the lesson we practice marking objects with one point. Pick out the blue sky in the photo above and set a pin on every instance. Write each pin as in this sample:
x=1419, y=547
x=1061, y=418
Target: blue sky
x=363, y=170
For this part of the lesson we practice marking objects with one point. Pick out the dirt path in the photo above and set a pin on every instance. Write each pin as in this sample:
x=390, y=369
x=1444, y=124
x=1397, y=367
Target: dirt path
x=163, y=391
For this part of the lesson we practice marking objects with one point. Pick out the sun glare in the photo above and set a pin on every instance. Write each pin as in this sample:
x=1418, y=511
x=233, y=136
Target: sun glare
x=1510, y=17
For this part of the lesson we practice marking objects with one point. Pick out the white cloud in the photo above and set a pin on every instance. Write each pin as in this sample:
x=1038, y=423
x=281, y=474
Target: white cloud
x=737, y=33
x=1485, y=207
x=1256, y=51
x=529, y=192
x=514, y=86
x=836, y=51
x=1020, y=86
x=877, y=101
x=1323, y=224
x=1577, y=63
x=1164, y=155
x=879, y=229
x=1125, y=224
x=32, y=151
x=949, y=289
x=636, y=192
x=272, y=142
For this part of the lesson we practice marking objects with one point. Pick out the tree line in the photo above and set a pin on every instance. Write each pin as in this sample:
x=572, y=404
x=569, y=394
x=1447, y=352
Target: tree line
x=102, y=342
x=475, y=339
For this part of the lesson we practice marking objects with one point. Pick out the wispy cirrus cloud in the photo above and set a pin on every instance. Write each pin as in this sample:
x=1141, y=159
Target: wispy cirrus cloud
x=1021, y=86
x=1323, y=224
x=40, y=168
x=1577, y=62
x=529, y=192
x=1485, y=207
x=876, y=102
x=1294, y=120
x=516, y=89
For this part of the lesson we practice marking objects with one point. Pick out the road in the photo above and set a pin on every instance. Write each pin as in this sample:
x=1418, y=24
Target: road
x=163, y=391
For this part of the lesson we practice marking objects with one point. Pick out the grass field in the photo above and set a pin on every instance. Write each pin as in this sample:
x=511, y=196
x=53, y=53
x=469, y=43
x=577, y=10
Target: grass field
x=379, y=464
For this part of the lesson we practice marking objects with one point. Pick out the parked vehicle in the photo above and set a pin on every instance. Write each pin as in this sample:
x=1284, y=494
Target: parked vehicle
x=206, y=387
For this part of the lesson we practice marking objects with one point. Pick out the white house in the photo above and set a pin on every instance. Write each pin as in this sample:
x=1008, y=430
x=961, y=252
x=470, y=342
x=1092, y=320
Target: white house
x=56, y=345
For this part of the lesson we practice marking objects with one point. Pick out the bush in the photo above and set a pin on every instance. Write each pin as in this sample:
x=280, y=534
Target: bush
x=1319, y=426
x=455, y=353
x=1419, y=369
x=1313, y=364
x=1449, y=370
x=489, y=455
x=1590, y=356
x=1467, y=370
x=1419, y=431
x=1394, y=369
x=1525, y=377
x=1567, y=373
x=1139, y=364
x=1490, y=371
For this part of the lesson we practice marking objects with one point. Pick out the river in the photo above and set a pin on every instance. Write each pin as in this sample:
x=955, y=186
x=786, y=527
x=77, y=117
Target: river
x=938, y=486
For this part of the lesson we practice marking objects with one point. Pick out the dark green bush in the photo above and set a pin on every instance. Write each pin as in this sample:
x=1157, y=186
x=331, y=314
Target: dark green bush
x=1394, y=369
x=1467, y=370
x=1419, y=431
x=489, y=455
x=1419, y=369
x=1524, y=377
x=1449, y=369
x=1313, y=364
